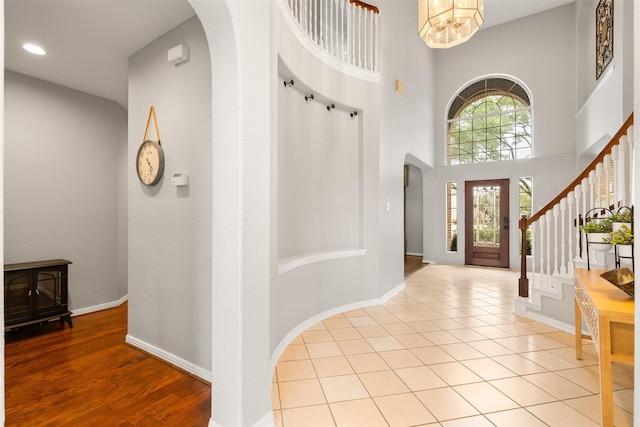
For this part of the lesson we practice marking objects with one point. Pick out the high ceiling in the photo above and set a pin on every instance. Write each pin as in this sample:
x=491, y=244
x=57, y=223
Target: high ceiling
x=89, y=41
x=498, y=12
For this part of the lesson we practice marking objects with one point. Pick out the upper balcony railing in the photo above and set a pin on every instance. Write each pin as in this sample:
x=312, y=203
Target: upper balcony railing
x=347, y=29
x=557, y=240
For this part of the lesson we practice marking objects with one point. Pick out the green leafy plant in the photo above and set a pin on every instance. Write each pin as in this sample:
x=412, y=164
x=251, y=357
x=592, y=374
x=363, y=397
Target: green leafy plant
x=454, y=243
x=623, y=236
x=623, y=215
x=603, y=225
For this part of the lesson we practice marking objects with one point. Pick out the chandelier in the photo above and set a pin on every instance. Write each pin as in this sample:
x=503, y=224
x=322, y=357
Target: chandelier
x=447, y=23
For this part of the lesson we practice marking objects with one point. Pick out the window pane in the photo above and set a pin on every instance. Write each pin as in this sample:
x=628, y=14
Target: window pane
x=493, y=125
x=452, y=217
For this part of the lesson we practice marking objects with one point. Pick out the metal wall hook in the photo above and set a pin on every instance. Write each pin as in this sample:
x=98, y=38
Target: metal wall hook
x=355, y=113
x=288, y=83
x=331, y=107
x=308, y=97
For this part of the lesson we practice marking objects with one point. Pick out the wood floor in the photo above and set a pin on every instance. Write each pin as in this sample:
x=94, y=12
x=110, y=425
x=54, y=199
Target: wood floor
x=88, y=376
x=412, y=264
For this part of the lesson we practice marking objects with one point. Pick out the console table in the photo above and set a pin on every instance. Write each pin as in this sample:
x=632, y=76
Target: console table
x=36, y=292
x=608, y=314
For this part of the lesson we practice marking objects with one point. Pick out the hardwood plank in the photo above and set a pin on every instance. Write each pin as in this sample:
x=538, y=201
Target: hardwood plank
x=87, y=375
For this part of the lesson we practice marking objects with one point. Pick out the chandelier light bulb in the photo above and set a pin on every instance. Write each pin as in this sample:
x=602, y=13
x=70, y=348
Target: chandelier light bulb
x=447, y=23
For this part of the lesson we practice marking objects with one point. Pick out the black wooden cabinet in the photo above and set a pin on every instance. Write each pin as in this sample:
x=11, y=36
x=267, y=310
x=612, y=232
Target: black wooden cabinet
x=36, y=292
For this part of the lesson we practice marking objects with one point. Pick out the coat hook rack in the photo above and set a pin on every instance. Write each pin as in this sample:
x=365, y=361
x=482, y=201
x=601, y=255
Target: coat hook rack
x=331, y=107
x=355, y=113
x=308, y=97
x=288, y=83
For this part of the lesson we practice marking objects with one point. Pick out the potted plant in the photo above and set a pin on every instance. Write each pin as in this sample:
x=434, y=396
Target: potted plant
x=598, y=232
x=624, y=216
x=623, y=239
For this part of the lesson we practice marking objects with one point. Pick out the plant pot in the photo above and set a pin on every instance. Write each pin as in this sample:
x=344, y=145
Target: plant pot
x=625, y=255
x=624, y=251
x=618, y=225
x=596, y=241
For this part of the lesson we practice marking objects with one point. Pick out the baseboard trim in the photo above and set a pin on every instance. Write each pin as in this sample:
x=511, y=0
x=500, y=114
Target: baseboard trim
x=321, y=316
x=266, y=421
x=99, y=307
x=172, y=359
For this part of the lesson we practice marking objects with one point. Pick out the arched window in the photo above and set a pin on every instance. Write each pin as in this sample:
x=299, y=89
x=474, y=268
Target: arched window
x=489, y=120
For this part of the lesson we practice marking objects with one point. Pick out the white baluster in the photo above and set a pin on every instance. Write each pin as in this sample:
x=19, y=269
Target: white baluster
x=347, y=40
x=364, y=39
x=533, y=248
x=375, y=55
x=303, y=16
x=570, y=201
x=576, y=193
x=630, y=155
x=342, y=38
x=598, y=185
x=592, y=184
x=607, y=174
x=337, y=45
x=556, y=214
x=548, y=239
x=542, y=248
x=585, y=195
x=325, y=25
x=314, y=20
x=359, y=37
x=563, y=224
x=618, y=173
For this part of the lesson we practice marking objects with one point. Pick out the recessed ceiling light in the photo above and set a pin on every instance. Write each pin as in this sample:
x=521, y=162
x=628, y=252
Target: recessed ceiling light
x=36, y=50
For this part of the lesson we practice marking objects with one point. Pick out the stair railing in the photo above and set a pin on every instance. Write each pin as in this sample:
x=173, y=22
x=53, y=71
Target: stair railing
x=606, y=182
x=347, y=29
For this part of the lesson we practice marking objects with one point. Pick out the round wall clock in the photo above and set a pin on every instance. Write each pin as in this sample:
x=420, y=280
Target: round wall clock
x=150, y=162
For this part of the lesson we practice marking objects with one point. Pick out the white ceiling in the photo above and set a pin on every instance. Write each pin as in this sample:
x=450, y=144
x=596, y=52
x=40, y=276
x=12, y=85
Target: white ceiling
x=89, y=41
x=498, y=12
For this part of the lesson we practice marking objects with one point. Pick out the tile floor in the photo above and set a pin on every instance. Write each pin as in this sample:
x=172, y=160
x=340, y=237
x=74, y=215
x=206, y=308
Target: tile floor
x=445, y=351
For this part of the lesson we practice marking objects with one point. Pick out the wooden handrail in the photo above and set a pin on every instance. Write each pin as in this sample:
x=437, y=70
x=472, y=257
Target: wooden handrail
x=585, y=173
x=365, y=6
x=524, y=223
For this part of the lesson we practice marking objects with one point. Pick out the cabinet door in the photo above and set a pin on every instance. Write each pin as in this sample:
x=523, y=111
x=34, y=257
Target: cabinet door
x=50, y=291
x=16, y=296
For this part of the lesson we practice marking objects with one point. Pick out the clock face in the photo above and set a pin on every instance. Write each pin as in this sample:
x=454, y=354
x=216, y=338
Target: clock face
x=150, y=162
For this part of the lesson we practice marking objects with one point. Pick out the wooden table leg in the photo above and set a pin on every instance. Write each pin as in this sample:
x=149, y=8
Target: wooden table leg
x=606, y=378
x=578, y=322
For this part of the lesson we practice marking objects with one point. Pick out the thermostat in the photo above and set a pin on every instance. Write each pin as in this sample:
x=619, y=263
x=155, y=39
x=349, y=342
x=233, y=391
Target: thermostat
x=179, y=179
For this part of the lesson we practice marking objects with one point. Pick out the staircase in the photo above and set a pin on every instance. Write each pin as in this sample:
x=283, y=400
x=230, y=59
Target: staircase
x=546, y=287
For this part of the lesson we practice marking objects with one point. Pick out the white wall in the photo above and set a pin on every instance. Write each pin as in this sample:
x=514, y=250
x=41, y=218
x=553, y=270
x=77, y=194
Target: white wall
x=62, y=195
x=414, y=211
x=544, y=62
x=169, y=226
x=243, y=70
x=320, y=184
x=602, y=104
x=406, y=129
x=335, y=261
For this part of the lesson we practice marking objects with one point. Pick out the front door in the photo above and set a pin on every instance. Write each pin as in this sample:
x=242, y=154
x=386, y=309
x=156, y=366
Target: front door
x=487, y=223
